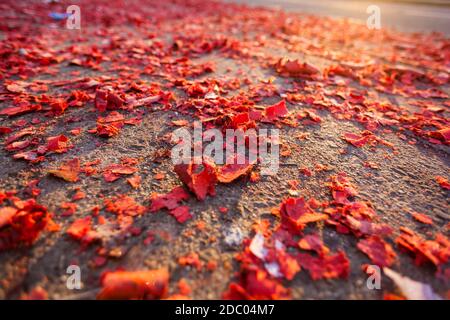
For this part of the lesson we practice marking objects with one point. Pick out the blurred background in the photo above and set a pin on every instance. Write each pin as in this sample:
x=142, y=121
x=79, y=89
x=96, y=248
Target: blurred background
x=402, y=15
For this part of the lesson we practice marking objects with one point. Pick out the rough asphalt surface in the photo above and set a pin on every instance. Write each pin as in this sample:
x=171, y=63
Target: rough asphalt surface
x=406, y=16
x=402, y=182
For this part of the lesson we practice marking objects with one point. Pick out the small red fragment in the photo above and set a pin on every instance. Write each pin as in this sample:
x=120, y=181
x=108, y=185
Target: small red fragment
x=135, y=181
x=378, y=250
x=200, y=179
x=296, y=213
x=21, y=225
x=181, y=213
x=360, y=140
x=256, y=284
x=81, y=230
x=122, y=285
x=328, y=266
x=295, y=68
x=170, y=200
x=230, y=172
x=422, y=218
x=313, y=242
x=277, y=110
x=443, y=182
x=58, y=144
x=68, y=171
x=124, y=205
x=191, y=259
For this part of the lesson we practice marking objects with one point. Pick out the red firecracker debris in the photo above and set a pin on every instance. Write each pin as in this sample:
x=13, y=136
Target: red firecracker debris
x=277, y=110
x=135, y=181
x=181, y=213
x=200, y=179
x=76, y=107
x=68, y=171
x=326, y=266
x=422, y=218
x=295, y=68
x=145, y=284
x=124, y=205
x=314, y=243
x=170, y=200
x=296, y=213
x=443, y=182
x=230, y=172
x=21, y=223
x=378, y=250
x=256, y=284
x=435, y=251
x=81, y=230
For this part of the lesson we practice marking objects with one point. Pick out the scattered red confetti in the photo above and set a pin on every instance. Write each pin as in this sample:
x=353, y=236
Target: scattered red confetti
x=107, y=88
x=184, y=287
x=69, y=208
x=108, y=130
x=160, y=176
x=342, y=189
x=5, y=130
x=223, y=209
x=100, y=100
x=211, y=265
x=172, y=202
x=58, y=106
x=305, y=171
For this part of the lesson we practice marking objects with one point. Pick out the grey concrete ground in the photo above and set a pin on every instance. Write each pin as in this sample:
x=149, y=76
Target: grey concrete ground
x=403, y=16
x=404, y=181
